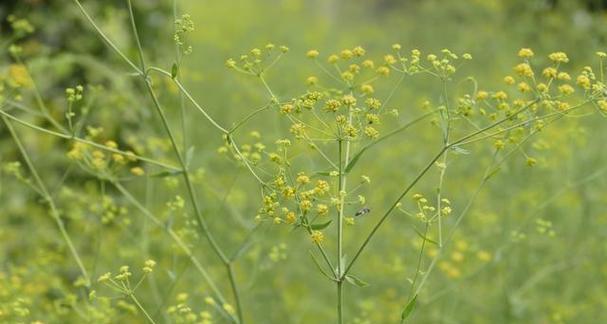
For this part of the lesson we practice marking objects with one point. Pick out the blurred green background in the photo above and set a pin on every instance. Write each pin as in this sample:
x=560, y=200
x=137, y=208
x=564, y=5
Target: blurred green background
x=536, y=279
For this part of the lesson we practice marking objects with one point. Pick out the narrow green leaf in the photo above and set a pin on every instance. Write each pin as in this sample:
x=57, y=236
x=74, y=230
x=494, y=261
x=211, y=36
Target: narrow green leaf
x=355, y=159
x=460, y=150
x=320, y=267
x=164, y=174
x=189, y=155
x=492, y=173
x=321, y=226
x=356, y=281
x=424, y=237
x=408, y=309
x=174, y=70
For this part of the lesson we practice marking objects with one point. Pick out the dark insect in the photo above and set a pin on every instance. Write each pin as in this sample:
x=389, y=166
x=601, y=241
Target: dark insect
x=363, y=211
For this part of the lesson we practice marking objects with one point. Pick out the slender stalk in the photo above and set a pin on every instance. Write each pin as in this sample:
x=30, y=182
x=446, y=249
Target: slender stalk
x=392, y=207
x=39, y=101
x=49, y=200
x=235, y=291
x=134, y=299
x=190, y=188
x=342, y=163
x=189, y=97
x=340, y=235
x=105, y=38
x=174, y=236
x=421, y=174
x=178, y=59
x=91, y=143
x=443, y=166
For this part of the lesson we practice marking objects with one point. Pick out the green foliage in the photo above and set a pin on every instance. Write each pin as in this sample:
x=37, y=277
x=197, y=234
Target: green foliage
x=379, y=178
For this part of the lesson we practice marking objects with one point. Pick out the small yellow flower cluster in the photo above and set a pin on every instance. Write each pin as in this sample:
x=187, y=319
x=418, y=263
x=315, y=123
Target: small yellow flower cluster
x=74, y=94
x=183, y=26
x=258, y=60
x=182, y=313
x=278, y=252
x=544, y=227
x=427, y=212
x=288, y=200
x=444, y=66
x=18, y=76
x=453, y=267
x=108, y=161
x=317, y=237
x=20, y=26
x=109, y=211
x=149, y=266
x=252, y=153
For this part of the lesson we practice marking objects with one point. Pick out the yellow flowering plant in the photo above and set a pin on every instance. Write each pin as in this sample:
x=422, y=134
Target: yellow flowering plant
x=308, y=176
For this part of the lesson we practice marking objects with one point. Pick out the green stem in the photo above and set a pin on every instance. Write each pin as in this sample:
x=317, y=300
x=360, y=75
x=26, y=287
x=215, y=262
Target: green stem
x=235, y=291
x=190, y=188
x=174, y=236
x=340, y=236
x=132, y=296
x=49, y=200
x=105, y=38
x=40, y=102
x=84, y=141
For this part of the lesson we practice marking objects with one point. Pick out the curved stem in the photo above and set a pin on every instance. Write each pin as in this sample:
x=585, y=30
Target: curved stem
x=105, y=38
x=49, y=200
x=134, y=299
x=91, y=143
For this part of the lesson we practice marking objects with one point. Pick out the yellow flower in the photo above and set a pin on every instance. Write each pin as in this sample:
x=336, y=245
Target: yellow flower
x=111, y=144
x=524, y=87
x=137, y=171
x=500, y=95
x=302, y=179
x=583, y=81
x=288, y=192
x=509, y=80
x=457, y=256
x=229, y=309
x=389, y=59
x=358, y=51
x=550, y=73
x=558, y=57
x=322, y=209
x=482, y=95
x=312, y=53
x=382, y=70
x=317, y=237
x=346, y=54
x=305, y=205
x=525, y=53
x=524, y=69
x=566, y=89
x=322, y=187
x=563, y=76
x=18, y=75
x=371, y=132
x=368, y=64
x=483, y=255
x=291, y=218
x=367, y=89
